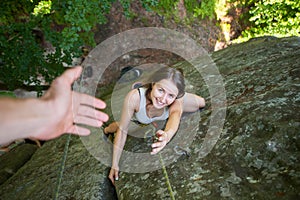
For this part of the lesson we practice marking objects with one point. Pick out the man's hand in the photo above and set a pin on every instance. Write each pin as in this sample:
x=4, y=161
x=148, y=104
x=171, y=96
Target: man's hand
x=59, y=111
x=70, y=109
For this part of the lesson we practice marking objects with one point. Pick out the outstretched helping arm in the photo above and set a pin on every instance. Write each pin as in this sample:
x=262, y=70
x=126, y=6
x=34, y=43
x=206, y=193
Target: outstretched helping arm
x=59, y=111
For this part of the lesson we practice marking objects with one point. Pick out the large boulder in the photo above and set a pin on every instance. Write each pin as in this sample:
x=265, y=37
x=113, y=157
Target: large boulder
x=256, y=156
x=20, y=154
x=82, y=176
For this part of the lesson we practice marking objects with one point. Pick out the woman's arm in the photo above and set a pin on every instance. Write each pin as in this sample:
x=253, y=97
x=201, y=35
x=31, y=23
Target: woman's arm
x=129, y=106
x=164, y=136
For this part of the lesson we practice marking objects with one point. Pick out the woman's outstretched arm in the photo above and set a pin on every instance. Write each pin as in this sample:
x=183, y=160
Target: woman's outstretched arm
x=164, y=136
x=130, y=103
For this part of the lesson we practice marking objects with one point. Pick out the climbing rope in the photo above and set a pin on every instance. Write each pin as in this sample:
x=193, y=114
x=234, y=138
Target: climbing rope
x=167, y=177
x=62, y=167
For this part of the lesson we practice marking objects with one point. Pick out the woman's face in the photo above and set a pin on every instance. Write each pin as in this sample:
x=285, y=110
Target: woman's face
x=163, y=93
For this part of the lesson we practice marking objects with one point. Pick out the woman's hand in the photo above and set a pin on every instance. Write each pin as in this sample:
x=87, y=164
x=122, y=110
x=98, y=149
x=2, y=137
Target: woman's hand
x=114, y=174
x=161, y=141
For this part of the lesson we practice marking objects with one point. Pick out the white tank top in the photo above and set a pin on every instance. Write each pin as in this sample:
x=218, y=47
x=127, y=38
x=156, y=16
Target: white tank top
x=142, y=116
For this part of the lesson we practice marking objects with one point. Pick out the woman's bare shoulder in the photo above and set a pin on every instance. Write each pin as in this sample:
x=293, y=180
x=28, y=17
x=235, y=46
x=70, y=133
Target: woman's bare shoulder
x=133, y=99
x=176, y=105
x=133, y=95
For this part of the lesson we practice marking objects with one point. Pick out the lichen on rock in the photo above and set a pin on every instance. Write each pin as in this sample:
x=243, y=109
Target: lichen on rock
x=256, y=156
x=259, y=144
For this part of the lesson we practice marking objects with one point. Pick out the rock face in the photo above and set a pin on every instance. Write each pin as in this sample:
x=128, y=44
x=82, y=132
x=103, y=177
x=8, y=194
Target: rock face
x=21, y=155
x=256, y=156
x=83, y=178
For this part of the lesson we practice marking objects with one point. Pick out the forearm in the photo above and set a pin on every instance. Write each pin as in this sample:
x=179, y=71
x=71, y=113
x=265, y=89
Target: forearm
x=119, y=143
x=21, y=118
x=172, y=125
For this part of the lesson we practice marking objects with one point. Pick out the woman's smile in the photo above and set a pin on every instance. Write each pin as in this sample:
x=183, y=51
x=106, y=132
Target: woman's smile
x=160, y=102
x=163, y=93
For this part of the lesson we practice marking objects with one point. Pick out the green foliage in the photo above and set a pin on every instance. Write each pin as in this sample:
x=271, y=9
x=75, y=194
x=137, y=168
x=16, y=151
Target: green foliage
x=20, y=55
x=30, y=27
x=27, y=27
x=194, y=8
x=205, y=9
x=7, y=94
x=148, y=4
x=126, y=7
x=42, y=8
x=279, y=18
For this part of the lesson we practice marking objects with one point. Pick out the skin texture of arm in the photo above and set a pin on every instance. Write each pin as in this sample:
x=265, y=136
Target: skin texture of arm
x=164, y=136
x=129, y=107
x=188, y=103
x=59, y=111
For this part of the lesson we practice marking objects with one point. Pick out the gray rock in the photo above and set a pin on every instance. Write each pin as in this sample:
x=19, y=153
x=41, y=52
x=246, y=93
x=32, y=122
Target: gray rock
x=20, y=154
x=83, y=178
x=257, y=155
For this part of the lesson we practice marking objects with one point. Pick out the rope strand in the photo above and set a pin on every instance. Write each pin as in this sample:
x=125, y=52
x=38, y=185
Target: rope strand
x=167, y=177
x=62, y=168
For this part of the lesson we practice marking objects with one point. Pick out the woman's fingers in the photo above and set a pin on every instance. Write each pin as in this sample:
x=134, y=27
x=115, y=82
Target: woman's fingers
x=113, y=176
x=161, y=143
x=156, y=150
x=162, y=135
x=112, y=179
x=116, y=175
x=158, y=146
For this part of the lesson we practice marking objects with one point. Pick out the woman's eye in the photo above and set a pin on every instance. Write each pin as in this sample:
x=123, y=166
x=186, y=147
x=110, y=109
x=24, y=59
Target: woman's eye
x=160, y=90
x=171, y=96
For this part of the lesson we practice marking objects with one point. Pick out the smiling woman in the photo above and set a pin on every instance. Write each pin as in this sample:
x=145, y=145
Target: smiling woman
x=162, y=98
